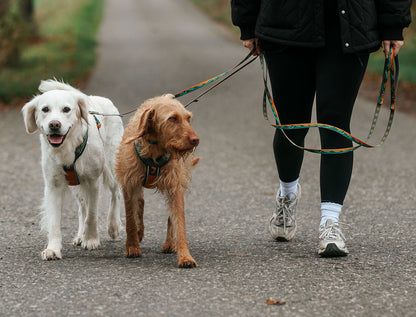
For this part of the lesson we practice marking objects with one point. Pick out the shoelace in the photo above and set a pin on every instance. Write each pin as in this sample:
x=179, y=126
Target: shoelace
x=284, y=212
x=332, y=232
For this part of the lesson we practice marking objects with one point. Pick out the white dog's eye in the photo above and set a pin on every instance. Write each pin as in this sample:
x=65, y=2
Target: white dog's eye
x=45, y=109
x=66, y=109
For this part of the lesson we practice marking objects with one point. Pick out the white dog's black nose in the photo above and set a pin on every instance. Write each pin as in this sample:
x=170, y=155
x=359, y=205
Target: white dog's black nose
x=54, y=125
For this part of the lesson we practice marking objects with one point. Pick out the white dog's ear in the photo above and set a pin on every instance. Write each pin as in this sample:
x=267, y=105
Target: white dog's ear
x=29, y=115
x=83, y=107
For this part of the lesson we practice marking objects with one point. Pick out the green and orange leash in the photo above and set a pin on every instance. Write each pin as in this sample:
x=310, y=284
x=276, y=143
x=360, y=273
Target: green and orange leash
x=391, y=71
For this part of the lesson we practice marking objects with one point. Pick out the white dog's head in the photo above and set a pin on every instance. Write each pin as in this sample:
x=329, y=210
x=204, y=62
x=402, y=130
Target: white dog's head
x=54, y=113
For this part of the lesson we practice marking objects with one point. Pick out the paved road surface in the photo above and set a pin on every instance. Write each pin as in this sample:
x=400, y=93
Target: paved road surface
x=151, y=47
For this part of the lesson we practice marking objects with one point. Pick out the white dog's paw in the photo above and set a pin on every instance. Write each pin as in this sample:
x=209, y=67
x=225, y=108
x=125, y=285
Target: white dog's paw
x=90, y=244
x=77, y=240
x=114, y=230
x=49, y=254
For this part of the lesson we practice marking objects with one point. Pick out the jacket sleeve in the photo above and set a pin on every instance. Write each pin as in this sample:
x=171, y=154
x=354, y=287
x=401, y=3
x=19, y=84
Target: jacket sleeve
x=393, y=17
x=244, y=15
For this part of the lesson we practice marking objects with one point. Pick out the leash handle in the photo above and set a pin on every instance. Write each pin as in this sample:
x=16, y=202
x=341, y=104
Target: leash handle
x=391, y=71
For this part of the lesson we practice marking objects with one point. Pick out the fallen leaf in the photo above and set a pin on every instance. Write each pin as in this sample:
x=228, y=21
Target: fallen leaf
x=270, y=301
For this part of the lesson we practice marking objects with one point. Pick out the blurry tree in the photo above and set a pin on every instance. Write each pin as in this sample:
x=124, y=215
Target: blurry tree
x=13, y=32
x=28, y=10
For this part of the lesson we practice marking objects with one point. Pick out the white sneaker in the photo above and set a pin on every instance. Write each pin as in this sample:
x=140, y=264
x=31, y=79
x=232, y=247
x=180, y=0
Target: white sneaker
x=282, y=225
x=331, y=240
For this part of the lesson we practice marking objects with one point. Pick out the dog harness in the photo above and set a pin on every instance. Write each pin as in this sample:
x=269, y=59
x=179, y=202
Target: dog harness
x=152, y=167
x=70, y=171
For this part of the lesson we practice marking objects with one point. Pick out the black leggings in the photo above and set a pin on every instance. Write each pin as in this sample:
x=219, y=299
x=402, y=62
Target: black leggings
x=296, y=75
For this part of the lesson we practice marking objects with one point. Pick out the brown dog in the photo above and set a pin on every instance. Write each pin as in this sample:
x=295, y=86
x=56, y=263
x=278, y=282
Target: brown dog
x=157, y=152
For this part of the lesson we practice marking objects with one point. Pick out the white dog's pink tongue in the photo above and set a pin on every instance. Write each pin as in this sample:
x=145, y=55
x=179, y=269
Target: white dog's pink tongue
x=55, y=138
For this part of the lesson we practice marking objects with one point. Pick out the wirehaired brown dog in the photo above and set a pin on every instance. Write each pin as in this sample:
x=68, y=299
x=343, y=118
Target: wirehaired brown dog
x=157, y=152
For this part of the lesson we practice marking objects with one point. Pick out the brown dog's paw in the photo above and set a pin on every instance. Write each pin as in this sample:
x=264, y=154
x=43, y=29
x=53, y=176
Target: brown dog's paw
x=133, y=252
x=140, y=234
x=168, y=248
x=186, y=263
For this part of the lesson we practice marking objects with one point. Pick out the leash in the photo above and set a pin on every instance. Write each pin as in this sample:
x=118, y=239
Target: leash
x=391, y=71
x=231, y=72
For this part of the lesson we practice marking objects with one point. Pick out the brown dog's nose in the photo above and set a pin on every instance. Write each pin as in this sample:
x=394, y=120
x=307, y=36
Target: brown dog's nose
x=194, y=140
x=54, y=125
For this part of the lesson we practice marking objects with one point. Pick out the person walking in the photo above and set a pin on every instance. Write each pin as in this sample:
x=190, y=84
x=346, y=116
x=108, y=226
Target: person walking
x=317, y=49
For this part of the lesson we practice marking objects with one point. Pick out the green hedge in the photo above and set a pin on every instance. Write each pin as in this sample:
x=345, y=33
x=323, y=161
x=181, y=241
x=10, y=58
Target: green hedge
x=64, y=49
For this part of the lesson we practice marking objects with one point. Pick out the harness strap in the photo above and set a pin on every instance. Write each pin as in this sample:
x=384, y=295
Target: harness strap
x=70, y=172
x=152, y=167
x=97, y=122
x=391, y=71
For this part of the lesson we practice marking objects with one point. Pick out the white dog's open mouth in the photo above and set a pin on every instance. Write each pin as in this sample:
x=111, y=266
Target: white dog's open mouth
x=56, y=139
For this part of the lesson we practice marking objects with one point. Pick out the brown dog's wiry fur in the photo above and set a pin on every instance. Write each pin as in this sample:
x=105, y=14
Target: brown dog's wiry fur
x=163, y=120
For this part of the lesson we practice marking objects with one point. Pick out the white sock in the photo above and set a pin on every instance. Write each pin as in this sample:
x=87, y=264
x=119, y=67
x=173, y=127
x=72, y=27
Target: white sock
x=330, y=211
x=288, y=190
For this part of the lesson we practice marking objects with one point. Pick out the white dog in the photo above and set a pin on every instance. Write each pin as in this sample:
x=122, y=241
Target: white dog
x=75, y=151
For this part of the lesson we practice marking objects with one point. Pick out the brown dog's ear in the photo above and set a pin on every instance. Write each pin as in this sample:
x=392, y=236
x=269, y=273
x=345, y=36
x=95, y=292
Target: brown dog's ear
x=83, y=108
x=29, y=115
x=145, y=125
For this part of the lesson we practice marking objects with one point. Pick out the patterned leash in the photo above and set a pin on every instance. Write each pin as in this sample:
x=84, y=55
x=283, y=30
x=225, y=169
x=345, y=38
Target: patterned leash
x=227, y=74
x=391, y=71
x=232, y=71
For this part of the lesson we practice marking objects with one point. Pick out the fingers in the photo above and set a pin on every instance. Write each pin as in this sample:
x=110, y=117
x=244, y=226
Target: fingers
x=386, y=48
x=396, y=45
x=251, y=44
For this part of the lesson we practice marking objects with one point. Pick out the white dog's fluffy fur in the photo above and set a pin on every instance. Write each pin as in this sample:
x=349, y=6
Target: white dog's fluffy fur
x=61, y=114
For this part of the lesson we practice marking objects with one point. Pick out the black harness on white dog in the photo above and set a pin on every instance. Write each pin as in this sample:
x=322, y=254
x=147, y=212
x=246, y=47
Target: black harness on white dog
x=70, y=171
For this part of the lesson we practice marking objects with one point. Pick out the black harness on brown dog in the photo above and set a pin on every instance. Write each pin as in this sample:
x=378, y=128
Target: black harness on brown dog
x=152, y=167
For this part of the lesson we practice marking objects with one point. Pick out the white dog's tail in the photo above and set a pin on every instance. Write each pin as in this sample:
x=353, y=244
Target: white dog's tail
x=53, y=84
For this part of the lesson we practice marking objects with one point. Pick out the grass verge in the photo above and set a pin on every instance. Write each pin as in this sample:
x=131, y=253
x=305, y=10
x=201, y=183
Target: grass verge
x=64, y=48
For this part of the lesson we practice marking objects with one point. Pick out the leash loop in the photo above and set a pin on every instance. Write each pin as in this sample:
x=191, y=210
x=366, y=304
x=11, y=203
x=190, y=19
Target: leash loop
x=391, y=71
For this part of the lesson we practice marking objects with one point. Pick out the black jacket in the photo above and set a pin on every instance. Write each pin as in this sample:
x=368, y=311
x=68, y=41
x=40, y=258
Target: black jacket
x=363, y=23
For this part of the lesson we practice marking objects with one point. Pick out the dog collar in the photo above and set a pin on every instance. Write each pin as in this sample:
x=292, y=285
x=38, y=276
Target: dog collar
x=152, y=141
x=70, y=172
x=152, y=167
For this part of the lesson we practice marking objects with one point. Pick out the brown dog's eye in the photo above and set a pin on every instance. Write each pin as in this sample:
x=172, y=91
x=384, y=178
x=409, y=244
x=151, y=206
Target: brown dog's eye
x=173, y=119
x=45, y=109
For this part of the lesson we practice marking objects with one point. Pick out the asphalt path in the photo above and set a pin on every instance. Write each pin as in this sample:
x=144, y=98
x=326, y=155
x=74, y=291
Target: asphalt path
x=151, y=47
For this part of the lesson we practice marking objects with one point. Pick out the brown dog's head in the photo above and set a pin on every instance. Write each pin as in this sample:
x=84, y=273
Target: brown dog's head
x=165, y=121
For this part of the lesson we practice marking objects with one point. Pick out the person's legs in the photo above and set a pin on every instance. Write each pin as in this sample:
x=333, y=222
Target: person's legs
x=339, y=77
x=338, y=82
x=292, y=76
x=293, y=84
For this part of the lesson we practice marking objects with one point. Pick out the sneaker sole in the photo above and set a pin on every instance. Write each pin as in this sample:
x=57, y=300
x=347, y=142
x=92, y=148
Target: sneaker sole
x=331, y=251
x=283, y=238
